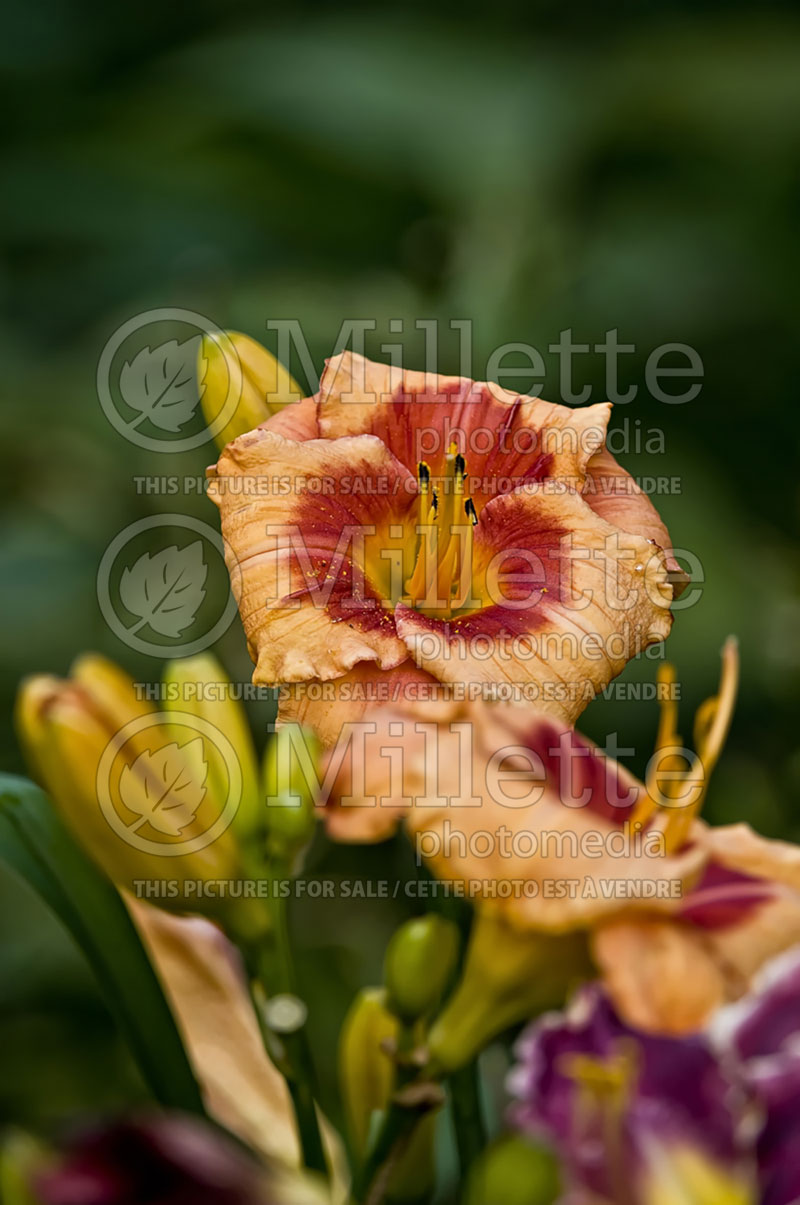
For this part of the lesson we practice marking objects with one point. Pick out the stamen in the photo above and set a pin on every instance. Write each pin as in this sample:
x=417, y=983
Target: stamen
x=666, y=738
x=449, y=539
x=443, y=559
x=606, y=1081
x=712, y=724
x=423, y=506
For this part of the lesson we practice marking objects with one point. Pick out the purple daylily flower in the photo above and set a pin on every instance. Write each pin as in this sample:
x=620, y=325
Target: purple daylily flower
x=628, y=1110
x=764, y=1032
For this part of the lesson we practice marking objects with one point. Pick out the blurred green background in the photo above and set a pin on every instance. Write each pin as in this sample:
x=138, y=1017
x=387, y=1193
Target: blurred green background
x=529, y=167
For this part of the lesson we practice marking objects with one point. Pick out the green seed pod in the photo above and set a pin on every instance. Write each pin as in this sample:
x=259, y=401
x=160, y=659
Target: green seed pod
x=513, y=1171
x=420, y=960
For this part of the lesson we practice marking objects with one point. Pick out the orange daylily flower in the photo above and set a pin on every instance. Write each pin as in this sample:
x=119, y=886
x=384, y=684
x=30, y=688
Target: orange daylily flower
x=547, y=834
x=401, y=530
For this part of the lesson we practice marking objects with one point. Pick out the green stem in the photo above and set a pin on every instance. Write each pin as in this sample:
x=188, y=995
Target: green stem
x=467, y=1110
x=392, y=1139
x=412, y=1099
x=272, y=969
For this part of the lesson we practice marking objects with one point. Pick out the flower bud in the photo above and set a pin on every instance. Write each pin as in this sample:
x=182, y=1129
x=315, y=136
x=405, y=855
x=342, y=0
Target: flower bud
x=291, y=773
x=200, y=687
x=366, y=1071
x=514, y=1171
x=509, y=975
x=132, y=794
x=234, y=365
x=367, y=1076
x=419, y=961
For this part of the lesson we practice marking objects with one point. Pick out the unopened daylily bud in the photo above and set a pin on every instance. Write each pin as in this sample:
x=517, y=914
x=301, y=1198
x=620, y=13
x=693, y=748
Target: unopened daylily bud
x=198, y=686
x=134, y=794
x=291, y=772
x=420, y=959
x=239, y=377
x=367, y=1075
x=514, y=1171
x=509, y=975
x=366, y=1070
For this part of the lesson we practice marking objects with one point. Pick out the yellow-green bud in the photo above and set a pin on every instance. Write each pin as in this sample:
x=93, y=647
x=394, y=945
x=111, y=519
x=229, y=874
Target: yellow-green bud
x=242, y=381
x=420, y=960
x=513, y=1171
x=70, y=731
x=198, y=686
x=367, y=1076
x=366, y=1070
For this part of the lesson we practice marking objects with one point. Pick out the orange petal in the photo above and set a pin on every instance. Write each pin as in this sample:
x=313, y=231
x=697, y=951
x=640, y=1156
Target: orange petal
x=762, y=913
x=614, y=495
x=660, y=974
x=504, y=437
x=308, y=590
x=522, y=810
x=297, y=420
x=327, y=706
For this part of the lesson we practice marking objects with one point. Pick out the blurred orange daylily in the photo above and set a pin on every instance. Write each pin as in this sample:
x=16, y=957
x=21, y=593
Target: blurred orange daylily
x=400, y=530
x=550, y=836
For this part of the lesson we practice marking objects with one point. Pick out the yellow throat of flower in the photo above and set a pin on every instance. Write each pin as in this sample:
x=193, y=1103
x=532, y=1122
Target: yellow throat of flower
x=441, y=581
x=604, y=1084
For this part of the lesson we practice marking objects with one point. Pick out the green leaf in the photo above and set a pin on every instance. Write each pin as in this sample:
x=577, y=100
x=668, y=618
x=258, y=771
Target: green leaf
x=36, y=844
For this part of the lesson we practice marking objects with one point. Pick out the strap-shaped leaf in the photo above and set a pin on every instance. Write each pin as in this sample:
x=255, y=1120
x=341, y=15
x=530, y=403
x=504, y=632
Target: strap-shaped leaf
x=36, y=844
